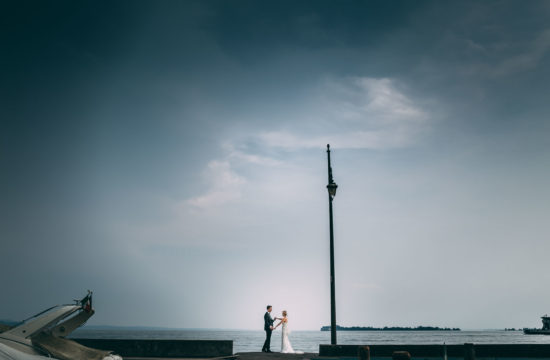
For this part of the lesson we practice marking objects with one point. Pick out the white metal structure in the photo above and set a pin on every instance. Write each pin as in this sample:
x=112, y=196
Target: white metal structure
x=42, y=335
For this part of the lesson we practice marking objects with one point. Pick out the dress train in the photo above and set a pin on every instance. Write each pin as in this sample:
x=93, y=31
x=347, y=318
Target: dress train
x=286, y=347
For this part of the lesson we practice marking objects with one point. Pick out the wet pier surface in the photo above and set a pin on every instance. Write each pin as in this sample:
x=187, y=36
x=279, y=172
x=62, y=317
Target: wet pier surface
x=275, y=356
x=244, y=356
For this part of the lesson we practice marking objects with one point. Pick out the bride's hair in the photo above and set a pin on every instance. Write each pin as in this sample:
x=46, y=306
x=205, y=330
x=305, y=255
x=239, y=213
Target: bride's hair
x=284, y=312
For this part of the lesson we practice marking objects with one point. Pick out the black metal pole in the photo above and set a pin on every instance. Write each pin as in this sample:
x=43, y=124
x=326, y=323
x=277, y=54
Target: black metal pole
x=332, y=279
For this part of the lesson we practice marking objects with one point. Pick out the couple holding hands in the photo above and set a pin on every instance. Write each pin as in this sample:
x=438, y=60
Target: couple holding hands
x=268, y=327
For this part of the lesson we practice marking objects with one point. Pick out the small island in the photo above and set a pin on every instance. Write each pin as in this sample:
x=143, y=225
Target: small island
x=389, y=328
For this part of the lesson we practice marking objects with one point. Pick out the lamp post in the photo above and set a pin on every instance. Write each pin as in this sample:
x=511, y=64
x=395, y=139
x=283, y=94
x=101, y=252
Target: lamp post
x=331, y=187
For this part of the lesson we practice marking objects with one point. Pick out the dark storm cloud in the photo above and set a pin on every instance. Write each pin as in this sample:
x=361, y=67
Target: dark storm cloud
x=253, y=29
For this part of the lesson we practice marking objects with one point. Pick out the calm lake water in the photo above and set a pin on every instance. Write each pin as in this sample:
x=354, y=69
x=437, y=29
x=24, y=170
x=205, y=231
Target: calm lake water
x=308, y=341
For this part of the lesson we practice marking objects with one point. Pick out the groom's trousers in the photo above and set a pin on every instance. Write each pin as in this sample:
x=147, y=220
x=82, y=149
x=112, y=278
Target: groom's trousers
x=267, y=342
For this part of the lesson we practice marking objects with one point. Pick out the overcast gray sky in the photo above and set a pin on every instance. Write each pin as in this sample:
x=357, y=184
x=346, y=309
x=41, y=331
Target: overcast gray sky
x=170, y=156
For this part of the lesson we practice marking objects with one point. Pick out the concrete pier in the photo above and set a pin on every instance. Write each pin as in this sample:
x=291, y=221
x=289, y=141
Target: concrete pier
x=130, y=348
x=223, y=349
x=469, y=351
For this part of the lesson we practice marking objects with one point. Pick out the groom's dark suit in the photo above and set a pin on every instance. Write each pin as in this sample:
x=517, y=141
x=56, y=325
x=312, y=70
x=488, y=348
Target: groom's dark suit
x=268, y=322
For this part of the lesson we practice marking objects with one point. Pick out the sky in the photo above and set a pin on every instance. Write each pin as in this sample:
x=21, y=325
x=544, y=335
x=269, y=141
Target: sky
x=171, y=157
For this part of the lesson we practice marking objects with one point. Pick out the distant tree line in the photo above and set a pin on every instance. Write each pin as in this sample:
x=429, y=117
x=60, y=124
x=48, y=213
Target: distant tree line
x=389, y=328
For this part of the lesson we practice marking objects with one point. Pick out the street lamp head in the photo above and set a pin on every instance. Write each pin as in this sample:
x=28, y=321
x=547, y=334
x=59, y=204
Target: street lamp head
x=332, y=189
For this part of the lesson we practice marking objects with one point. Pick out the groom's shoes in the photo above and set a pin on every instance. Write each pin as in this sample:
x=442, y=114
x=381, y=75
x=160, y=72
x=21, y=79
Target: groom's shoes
x=268, y=351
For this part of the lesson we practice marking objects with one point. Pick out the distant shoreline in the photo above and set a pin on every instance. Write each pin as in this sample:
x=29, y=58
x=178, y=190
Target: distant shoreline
x=390, y=328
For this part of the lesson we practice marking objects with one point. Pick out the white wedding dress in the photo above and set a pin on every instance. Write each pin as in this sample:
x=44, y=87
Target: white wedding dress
x=286, y=348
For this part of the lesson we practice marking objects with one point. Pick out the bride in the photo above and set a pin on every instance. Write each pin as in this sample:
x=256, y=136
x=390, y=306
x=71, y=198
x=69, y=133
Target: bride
x=286, y=348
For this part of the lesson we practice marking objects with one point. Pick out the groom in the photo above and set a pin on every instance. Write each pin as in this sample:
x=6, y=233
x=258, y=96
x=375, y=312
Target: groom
x=268, y=327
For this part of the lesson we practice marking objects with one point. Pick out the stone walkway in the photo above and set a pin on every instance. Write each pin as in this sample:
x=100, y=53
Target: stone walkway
x=275, y=356
x=244, y=356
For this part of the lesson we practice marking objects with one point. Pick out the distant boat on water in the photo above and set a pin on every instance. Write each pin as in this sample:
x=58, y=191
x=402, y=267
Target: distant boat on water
x=545, y=327
x=391, y=328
